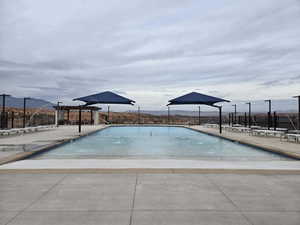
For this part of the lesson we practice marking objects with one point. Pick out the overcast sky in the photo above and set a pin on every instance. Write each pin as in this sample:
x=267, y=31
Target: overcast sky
x=150, y=51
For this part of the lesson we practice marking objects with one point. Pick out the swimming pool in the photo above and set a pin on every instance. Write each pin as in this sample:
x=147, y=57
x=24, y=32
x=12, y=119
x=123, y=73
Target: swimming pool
x=156, y=142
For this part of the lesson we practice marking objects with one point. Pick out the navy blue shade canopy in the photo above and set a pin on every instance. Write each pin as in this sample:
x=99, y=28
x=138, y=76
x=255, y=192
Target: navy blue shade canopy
x=106, y=97
x=195, y=98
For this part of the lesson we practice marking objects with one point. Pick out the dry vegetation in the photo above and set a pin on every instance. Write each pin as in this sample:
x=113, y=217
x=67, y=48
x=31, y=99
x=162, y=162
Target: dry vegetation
x=36, y=117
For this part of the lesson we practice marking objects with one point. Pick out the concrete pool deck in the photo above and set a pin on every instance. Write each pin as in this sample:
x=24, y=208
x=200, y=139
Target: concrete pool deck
x=273, y=144
x=145, y=192
x=147, y=199
x=150, y=166
x=17, y=147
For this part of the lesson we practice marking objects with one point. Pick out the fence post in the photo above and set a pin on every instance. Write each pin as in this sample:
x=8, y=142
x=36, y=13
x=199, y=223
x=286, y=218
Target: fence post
x=12, y=119
x=275, y=120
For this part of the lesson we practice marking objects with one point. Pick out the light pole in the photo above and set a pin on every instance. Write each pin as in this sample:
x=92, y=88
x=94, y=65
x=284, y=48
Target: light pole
x=298, y=110
x=24, y=111
x=234, y=113
x=269, y=113
x=249, y=118
x=3, y=110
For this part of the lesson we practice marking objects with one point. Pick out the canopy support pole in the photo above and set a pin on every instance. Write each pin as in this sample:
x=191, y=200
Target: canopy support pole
x=107, y=113
x=139, y=115
x=91, y=117
x=220, y=119
x=68, y=115
x=79, y=122
x=199, y=116
x=168, y=115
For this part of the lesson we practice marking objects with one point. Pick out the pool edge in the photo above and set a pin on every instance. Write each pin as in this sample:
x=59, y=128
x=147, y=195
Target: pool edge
x=29, y=154
x=261, y=147
x=26, y=155
x=152, y=170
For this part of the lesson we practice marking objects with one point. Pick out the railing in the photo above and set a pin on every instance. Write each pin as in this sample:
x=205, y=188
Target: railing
x=12, y=119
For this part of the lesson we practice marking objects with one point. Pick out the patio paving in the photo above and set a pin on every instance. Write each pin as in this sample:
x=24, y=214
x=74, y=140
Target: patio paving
x=156, y=199
x=17, y=145
x=272, y=143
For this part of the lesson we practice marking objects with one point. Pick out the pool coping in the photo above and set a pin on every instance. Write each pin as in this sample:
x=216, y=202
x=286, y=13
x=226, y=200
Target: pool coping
x=45, y=148
x=259, y=146
x=150, y=171
x=150, y=166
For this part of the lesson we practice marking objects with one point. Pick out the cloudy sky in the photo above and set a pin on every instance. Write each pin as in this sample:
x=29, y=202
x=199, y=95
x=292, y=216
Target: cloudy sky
x=150, y=51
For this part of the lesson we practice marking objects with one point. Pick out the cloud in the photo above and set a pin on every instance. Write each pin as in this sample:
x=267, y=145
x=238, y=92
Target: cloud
x=150, y=50
x=272, y=83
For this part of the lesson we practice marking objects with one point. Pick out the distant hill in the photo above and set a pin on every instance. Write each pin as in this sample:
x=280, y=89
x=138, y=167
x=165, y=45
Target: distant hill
x=178, y=112
x=258, y=106
x=31, y=103
x=203, y=113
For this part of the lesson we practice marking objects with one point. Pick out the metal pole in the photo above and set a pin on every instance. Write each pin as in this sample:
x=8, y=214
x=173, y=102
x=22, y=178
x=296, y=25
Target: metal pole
x=3, y=110
x=220, y=119
x=58, y=112
x=24, y=112
x=245, y=119
x=199, y=115
x=12, y=119
x=298, y=111
x=79, y=122
x=249, y=116
x=139, y=115
x=168, y=114
x=68, y=116
x=250, y=120
x=269, y=113
x=275, y=120
x=91, y=117
x=234, y=113
x=107, y=113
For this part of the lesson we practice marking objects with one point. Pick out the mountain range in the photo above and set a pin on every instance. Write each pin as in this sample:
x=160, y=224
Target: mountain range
x=30, y=103
x=280, y=106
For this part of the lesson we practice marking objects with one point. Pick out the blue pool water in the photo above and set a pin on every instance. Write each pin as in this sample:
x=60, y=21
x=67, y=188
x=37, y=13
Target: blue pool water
x=156, y=142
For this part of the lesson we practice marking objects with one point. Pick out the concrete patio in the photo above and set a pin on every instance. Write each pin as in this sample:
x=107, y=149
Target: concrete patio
x=42, y=197
x=19, y=145
x=148, y=199
x=273, y=144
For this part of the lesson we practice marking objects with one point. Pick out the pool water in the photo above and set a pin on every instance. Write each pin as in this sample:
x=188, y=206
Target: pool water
x=156, y=142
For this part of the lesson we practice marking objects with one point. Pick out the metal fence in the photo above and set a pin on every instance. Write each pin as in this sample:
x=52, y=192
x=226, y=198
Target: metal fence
x=15, y=119
x=12, y=119
x=288, y=121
